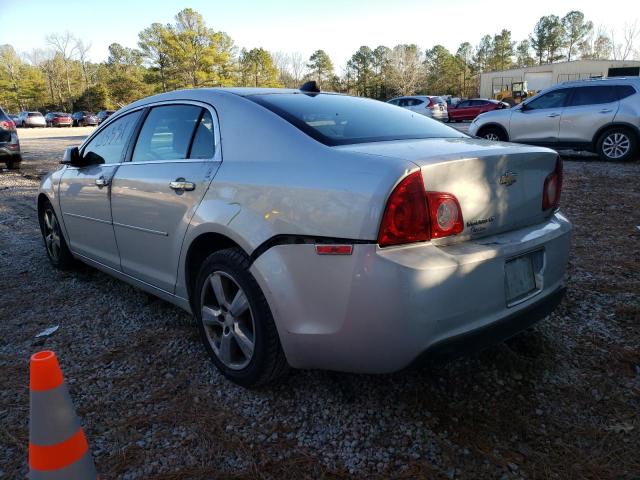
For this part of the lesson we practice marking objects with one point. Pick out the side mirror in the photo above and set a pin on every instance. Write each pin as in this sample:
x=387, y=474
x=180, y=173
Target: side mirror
x=524, y=107
x=71, y=156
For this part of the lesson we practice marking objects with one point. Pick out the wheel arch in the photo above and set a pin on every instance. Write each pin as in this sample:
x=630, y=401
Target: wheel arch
x=199, y=249
x=627, y=126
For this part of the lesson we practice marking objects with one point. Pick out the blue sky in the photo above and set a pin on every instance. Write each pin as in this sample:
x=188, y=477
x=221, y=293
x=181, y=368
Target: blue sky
x=339, y=27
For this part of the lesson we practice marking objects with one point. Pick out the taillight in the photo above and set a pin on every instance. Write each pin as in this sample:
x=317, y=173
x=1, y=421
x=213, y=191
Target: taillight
x=415, y=215
x=552, y=187
x=406, y=218
x=445, y=214
x=7, y=125
x=430, y=103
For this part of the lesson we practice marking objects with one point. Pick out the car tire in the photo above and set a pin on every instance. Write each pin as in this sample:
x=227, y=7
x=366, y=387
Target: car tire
x=617, y=144
x=493, y=133
x=12, y=165
x=55, y=245
x=244, y=345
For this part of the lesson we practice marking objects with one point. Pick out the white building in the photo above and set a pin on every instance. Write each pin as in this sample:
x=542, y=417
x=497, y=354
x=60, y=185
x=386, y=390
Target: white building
x=543, y=76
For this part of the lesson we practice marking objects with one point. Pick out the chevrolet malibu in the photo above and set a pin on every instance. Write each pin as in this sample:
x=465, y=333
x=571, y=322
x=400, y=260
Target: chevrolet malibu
x=313, y=230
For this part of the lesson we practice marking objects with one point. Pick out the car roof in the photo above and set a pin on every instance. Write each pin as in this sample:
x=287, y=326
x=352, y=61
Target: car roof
x=596, y=81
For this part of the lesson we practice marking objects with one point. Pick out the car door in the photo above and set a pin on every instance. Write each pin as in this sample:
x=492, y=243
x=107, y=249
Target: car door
x=84, y=193
x=460, y=112
x=155, y=193
x=538, y=121
x=588, y=109
x=475, y=109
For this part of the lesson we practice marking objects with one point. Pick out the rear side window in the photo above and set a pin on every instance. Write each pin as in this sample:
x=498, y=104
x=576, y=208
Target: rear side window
x=464, y=104
x=415, y=102
x=343, y=120
x=593, y=95
x=554, y=99
x=110, y=143
x=625, y=91
x=166, y=133
x=203, y=141
x=477, y=103
x=393, y=102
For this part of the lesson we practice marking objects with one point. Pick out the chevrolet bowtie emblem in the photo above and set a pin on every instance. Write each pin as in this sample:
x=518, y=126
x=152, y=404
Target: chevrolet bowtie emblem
x=508, y=178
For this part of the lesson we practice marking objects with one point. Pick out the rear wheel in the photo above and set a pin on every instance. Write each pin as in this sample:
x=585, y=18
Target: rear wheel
x=617, y=144
x=235, y=321
x=493, y=133
x=13, y=165
x=57, y=250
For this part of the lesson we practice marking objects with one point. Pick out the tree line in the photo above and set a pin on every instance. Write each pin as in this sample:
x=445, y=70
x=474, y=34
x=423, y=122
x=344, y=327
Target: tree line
x=188, y=54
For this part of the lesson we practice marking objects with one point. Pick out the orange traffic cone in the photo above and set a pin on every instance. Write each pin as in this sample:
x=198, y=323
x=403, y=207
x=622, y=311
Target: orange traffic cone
x=58, y=448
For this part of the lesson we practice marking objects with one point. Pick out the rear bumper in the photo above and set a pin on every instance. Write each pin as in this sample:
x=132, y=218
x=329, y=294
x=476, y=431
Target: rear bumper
x=11, y=155
x=477, y=340
x=378, y=310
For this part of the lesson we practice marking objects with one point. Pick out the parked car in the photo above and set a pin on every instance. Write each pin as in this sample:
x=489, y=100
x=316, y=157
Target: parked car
x=82, y=119
x=336, y=232
x=58, y=119
x=601, y=116
x=470, y=109
x=9, y=143
x=31, y=120
x=103, y=115
x=427, y=105
x=14, y=118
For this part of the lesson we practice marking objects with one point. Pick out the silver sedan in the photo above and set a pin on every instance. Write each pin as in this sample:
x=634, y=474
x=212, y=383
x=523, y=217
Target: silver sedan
x=314, y=230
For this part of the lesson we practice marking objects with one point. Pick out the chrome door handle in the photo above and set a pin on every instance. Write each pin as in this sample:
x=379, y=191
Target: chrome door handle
x=182, y=184
x=553, y=115
x=101, y=182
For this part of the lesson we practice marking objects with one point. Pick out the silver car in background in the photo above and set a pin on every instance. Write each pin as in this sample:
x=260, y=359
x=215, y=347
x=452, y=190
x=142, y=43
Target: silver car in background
x=428, y=105
x=313, y=230
x=31, y=120
x=601, y=116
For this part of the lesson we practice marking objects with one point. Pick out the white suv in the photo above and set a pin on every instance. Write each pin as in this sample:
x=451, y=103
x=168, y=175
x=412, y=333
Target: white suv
x=427, y=105
x=601, y=116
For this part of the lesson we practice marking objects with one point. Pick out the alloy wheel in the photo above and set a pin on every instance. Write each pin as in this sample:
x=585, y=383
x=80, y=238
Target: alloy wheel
x=52, y=234
x=616, y=145
x=228, y=320
x=492, y=136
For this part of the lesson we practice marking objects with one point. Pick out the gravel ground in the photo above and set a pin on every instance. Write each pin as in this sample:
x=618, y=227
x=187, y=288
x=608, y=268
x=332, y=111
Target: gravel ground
x=558, y=401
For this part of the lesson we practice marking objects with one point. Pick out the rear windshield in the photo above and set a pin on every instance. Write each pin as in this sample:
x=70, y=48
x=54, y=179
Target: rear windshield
x=35, y=114
x=343, y=120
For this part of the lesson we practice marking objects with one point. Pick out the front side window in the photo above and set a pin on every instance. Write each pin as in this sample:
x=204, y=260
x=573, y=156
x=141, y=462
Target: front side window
x=555, y=99
x=109, y=144
x=343, y=120
x=593, y=95
x=166, y=133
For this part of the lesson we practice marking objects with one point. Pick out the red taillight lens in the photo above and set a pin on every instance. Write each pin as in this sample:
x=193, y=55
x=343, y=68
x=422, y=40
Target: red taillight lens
x=414, y=215
x=406, y=218
x=445, y=214
x=552, y=187
x=7, y=125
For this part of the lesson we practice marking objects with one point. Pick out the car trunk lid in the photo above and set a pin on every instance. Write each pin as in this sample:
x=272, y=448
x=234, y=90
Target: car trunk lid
x=499, y=186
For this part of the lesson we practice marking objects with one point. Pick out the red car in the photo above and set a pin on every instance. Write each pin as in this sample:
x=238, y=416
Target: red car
x=58, y=119
x=470, y=109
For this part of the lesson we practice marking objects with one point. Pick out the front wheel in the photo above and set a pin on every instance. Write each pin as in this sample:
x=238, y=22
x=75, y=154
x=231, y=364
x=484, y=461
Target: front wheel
x=494, y=134
x=54, y=242
x=235, y=321
x=617, y=144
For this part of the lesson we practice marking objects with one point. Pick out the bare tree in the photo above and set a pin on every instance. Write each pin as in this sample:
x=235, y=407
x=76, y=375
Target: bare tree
x=82, y=50
x=625, y=49
x=407, y=69
x=297, y=65
x=65, y=46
